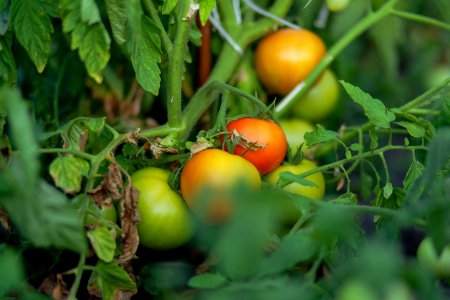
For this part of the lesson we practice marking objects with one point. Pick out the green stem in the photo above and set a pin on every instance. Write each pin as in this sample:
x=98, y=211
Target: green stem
x=176, y=65
x=407, y=107
x=420, y=19
x=68, y=151
x=167, y=43
x=386, y=169
x=286, y=103
x=78, y=275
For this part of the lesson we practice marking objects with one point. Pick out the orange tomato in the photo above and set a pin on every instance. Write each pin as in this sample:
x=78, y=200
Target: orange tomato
x=285, y=58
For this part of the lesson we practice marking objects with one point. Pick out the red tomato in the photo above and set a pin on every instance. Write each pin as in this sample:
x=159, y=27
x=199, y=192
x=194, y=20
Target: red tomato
x=262, y=142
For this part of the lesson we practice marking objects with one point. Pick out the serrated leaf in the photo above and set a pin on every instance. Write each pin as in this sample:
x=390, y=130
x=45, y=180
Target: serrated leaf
x=320, y=135
x=374, y=109
x=414, y=172
x=67, y=172
x=111, y=278
x=207, y=281
x=294, y=249
x=89, y=12
x=206, y=6
x=373, y=139
x=145, y=52
x=168, y=6
x=387, y=190
x=94, y=50
x=117, y=15
x=94, y=124
x=291, y=177
x=8, y=69
x=43, y=215
x=414, y=129
x=33, y=28
x=103, y=243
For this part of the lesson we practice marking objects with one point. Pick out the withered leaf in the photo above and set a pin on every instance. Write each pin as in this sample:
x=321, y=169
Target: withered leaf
x=246, y=143
x=55, y=287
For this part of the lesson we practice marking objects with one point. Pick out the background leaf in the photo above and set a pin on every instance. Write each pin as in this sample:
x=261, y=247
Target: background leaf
x=8, y=68
x=33, y=27
x=67, y=172
x=117, y=15
x=320, y=135
x=111, y=278
x=207, y=281
x=206, y=6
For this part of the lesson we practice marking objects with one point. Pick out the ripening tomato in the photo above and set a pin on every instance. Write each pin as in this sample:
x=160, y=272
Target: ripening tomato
x=320, y=101
x=166, y=221
x=215, y=171
x=261, y=142
x=285, y=58
x=295, y=129
x=289, y=211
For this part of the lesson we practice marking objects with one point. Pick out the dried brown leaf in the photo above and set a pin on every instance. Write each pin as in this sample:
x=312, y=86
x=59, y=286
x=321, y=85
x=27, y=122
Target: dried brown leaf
x=246, y=143
x=158, y=149
x=199, y=147
x=4, y=221
x=55, y=287
x=133, y=136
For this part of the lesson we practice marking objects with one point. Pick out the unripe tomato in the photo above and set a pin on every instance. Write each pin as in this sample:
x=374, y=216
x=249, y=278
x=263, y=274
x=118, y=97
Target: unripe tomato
x=295, y=129
x=289, y=211
x=438, y=263
x=320, y=101
x=337, y=5
x=165, y=220
x=270, y=144
x=356, y=290
x=217, y=171
x=285, y=58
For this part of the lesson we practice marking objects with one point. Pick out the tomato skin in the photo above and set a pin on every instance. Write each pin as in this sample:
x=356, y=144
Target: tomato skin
x=166, y=222
x=266, y=133
x=438, y=263
x=219, y=171
x=295, y=129
x=320, y=101
x=286, y=57
x=289, y=212
x=337, y=5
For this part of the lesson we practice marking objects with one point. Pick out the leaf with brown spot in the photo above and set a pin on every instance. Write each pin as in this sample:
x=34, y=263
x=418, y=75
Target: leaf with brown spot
x=110, y=189
x=55, y=287
x=133, y=137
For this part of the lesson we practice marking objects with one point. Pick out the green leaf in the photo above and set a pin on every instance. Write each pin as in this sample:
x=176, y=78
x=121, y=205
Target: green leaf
x=414, y=129
x=67, y=172
x=94, y=50
x=8, y=69
x=111, y=278
x=414, y=172
x=387, y=190
x=346, y=199
x=33, y=28
x=13, y=274
x=103, y=243
x=291, y=177
x=206, y=6
x=117, y=15
x=348, y=154
x=294, y=248
x=320, y=135
x=89, y=12
x=207, y=281
x=168, y=6
x=356, y=147
x=42, y=215
x=145, y=50
x=94, y=124
x=21, y=133
x=374, y=109
x=373, y=139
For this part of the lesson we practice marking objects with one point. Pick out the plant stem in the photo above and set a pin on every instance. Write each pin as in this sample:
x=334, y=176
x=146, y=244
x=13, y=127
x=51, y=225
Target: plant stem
x=78, y=275
x=167, y=43
x=301, y=89
x=176, y=65
x=420, y=19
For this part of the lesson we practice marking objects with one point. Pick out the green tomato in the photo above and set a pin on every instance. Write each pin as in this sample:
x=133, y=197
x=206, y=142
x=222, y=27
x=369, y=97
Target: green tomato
x=437, y=263
x=436, y=76
x=166, y=222
x=320, y=101
x=288, y=210
x=356, y=290
x=337, y=5
x=295, y=129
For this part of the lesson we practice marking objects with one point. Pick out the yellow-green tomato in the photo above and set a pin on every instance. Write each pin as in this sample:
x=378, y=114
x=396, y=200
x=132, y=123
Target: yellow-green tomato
x=337, y=5
x=320, y=101
x=295, y=129
x=166, y=222
x=428, y=256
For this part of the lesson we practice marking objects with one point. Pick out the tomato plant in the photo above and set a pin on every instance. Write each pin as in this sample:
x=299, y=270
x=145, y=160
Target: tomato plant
x=261, y=142
x=320, y=101
x=215, y=171
x=438, y=263
x=165, y=221
x=337, y=5
x=285, y=58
